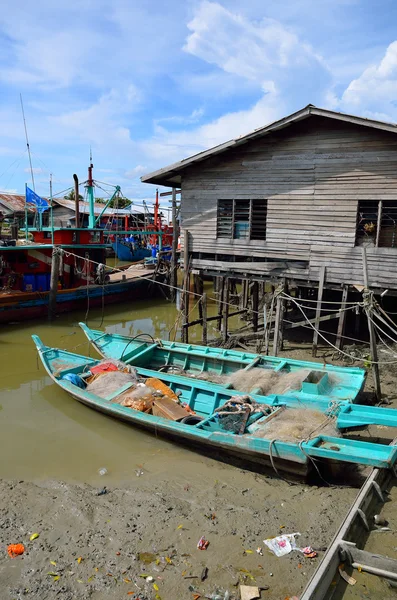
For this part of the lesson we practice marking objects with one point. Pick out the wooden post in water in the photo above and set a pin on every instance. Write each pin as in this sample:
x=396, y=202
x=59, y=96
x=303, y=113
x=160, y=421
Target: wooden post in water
x=368, y=295
x=203, y=304
x=186, y=287
x=278, y=325
x=255, y=305
x=318, y=309
x=225, y=310
x=174, y=261
x=221, y=293
x=52, y=298
x=342, y=319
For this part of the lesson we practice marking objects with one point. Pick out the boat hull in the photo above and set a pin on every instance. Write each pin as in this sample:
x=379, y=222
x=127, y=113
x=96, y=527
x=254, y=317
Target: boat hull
x=125, y=253
x=33, y=305
x=205, y=399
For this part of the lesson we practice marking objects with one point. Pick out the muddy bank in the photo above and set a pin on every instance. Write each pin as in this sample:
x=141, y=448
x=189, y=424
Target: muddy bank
x=163, y=516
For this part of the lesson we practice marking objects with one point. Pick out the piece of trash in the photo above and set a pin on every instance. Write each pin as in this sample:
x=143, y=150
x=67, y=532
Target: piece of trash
x=248, y=551
x=249, y=592
x=180, y=527
x=196, y=596
x=80, y=558
x=309, y=552
x=139, y=472
x=204, y=574
x=102, y=471
x=202, y=544
x=259, y=551
x=282, y=544
x=118, y=553
x=15, y=550
x=56, y=578
x=103, y=491
x=34, y=536
x=127, y=580
x=347, y=578
x=378, y=520
x=52, y=574
x=52, y=562
x=149, y=579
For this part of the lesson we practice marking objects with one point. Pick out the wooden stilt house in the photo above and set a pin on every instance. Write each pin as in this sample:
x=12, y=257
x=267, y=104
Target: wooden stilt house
x=306, y=192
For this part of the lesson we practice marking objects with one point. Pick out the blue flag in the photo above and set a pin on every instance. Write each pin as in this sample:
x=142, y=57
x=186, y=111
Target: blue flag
x=33, y=198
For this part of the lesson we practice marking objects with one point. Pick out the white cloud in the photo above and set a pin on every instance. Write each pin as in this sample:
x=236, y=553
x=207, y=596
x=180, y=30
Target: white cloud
x=249, y=49
x=135, y=172
x=375, y=91
x=36, y=170
x=263, y=53
x=194, y=117
x=102, y=121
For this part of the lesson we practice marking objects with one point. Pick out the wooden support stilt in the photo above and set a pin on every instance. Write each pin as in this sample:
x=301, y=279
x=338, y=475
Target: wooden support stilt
x=255, y=305
x=226, y=297
x=342, y=319
x=246, y=293
x=221, y=290
x=199, y=290
x=203, y=304
x=52, y=299
x=186, y=287
x=318, y=309
x=278, y=326
x=174, y=260
x=368, y=294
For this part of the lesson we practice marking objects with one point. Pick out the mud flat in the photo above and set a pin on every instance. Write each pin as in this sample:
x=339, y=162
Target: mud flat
x=102, y=545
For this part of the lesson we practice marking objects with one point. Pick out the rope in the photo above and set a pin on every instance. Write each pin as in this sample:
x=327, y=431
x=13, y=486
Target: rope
x=273, y=441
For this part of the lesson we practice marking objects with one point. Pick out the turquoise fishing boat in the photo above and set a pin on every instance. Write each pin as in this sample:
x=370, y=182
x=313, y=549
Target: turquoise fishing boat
x=212, y=404
x=318, y=379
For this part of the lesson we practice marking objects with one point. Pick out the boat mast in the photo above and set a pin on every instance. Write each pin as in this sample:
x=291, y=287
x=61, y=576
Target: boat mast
x=90, y=195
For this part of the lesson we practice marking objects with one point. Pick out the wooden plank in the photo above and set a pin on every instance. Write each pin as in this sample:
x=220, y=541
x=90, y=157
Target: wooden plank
x=372, y=335
x=204, y=318
x=318, y=309
x=342, y=319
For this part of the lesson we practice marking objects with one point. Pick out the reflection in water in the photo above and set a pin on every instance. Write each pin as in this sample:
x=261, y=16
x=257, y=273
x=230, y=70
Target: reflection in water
x=46, y=434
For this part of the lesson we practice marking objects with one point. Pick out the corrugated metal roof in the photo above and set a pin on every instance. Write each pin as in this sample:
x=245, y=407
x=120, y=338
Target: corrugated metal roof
x=98, y=208
x=171, y=175
x=14, y=203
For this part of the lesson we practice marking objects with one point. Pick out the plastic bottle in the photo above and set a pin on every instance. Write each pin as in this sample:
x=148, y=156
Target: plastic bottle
x=102, y=471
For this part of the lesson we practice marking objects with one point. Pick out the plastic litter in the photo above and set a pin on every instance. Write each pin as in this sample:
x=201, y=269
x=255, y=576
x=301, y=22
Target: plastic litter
x=282, y=544
x=103, y=491
x=102, y=471
x=34, y=536
x=249, y=592
x=204, y=574
x=346, y=577
x=15, y=550
x=378, y=520
x=308, y=552
x=202, y=544
x=75, y=379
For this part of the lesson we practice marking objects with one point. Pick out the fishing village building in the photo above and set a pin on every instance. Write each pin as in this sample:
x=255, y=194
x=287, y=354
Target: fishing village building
x=294, y=203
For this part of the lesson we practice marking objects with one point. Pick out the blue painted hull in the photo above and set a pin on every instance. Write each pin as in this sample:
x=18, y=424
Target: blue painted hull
x=205, y=398
x=323, y=381
x=125, y=252
x=35, y=305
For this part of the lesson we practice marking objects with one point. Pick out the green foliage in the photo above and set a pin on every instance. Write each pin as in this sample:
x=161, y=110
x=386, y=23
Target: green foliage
x=71, y=196
x=115, y=203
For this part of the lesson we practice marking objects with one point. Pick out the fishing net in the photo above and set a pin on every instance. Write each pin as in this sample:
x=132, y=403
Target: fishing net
x=107, y=382
x=296, y=424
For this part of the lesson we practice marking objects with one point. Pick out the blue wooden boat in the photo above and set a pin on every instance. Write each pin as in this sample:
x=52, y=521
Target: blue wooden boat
x=130, y=250
x=325, y=381
x=210, y=434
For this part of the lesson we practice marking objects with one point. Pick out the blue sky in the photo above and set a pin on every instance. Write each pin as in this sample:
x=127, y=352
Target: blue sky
x=146, y=83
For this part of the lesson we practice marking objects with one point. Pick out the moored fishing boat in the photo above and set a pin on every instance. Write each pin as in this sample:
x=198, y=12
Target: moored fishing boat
x=261, y=429
x=246, y=371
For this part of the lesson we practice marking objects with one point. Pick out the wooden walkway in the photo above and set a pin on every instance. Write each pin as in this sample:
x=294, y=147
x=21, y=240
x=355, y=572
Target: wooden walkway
x=133, y=272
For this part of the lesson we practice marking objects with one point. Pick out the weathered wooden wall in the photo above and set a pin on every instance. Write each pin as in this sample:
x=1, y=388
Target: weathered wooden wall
x=313, y=173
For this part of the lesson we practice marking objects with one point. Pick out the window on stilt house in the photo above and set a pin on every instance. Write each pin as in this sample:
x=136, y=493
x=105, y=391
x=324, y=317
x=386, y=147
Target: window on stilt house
x=242, y=219
x=377, y=223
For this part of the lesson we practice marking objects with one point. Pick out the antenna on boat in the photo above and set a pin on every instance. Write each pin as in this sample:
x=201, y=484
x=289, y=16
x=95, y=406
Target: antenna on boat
x=27, y=143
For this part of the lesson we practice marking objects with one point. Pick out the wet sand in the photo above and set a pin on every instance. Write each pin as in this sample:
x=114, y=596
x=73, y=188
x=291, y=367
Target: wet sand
x=163, y=514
